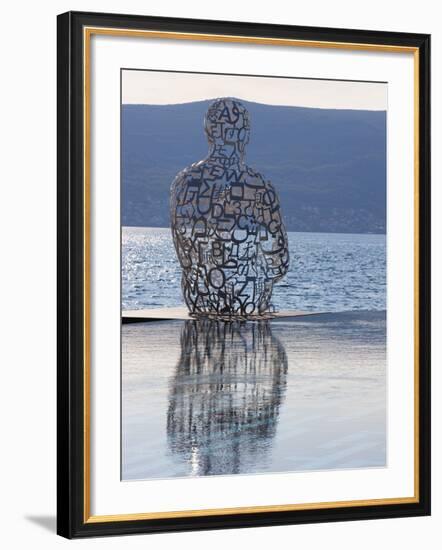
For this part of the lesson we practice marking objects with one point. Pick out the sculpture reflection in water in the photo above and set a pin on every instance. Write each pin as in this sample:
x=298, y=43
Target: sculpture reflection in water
x=225, y=397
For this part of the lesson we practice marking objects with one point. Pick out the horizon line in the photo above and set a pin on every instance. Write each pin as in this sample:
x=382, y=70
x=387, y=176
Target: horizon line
x=254, y=102
x=288, y=231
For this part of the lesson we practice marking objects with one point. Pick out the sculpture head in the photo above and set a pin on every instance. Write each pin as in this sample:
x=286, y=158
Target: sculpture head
x=227, y=124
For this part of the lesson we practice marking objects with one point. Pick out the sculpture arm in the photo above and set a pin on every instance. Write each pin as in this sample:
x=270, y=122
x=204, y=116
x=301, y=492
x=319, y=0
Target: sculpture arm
x=275, y=247
x=180, y=217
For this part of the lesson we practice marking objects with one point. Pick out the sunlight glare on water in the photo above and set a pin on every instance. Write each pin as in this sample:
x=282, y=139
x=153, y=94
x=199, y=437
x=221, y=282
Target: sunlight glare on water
x=328, y=271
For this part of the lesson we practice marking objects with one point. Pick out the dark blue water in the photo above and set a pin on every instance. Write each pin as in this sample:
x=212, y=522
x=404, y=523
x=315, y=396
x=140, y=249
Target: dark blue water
x=328, y=271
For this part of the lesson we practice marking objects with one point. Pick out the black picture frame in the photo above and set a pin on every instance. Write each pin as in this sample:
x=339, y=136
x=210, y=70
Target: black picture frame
x=72, y=392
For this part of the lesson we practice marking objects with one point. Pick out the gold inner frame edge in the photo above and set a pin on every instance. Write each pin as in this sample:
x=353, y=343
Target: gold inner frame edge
x=87, y=33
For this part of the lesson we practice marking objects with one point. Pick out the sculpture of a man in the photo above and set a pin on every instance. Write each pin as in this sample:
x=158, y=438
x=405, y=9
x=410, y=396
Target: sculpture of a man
x=227, y=224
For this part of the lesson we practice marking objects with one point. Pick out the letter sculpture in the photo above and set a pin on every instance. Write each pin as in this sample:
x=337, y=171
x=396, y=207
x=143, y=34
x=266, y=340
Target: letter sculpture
x=227, y=224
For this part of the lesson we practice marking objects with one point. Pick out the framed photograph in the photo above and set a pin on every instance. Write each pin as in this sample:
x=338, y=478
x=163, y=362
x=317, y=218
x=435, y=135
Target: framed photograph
x=243, y=274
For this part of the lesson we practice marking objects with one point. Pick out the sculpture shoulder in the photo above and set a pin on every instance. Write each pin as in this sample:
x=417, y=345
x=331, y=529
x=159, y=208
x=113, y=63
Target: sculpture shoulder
x=257, y=180
x=192, y=172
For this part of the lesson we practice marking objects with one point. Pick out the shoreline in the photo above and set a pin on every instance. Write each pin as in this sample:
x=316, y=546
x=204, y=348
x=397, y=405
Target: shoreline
x=288, y=231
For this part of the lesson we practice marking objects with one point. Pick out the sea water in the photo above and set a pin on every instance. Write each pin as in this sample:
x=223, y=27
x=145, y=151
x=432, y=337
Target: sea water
x=328, y=271
x=288, y=395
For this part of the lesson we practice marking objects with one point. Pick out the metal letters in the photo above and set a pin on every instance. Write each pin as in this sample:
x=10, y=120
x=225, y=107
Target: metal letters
x=227, y=224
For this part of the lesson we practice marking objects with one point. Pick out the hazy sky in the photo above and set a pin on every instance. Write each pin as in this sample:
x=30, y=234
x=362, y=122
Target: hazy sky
x=161, y=88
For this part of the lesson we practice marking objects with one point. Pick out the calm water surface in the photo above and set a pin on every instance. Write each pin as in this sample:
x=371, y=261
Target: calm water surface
x=246, y=398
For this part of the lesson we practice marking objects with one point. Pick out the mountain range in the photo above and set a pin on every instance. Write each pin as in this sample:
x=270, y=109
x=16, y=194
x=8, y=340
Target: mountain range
x=327, y=165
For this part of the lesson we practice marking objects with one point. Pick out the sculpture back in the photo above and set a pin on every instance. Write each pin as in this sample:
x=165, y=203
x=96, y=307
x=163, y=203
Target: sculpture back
x=227, y=225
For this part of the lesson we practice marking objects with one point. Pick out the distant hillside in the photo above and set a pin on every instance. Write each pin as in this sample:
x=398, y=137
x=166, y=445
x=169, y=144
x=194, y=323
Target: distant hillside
x=328, y=166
